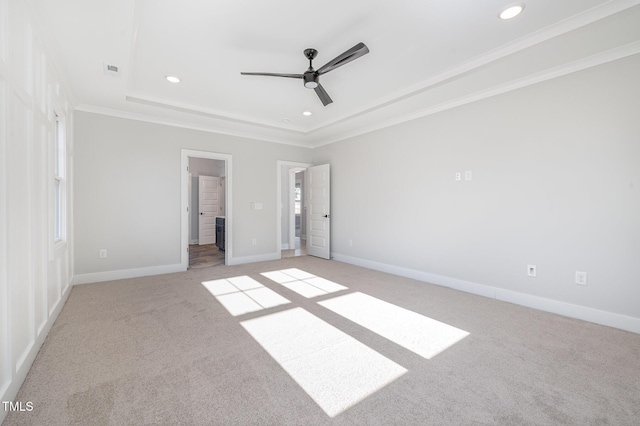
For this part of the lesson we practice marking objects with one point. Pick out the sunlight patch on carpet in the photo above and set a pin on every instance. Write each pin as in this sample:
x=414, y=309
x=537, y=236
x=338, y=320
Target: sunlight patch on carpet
x=241, y=295
x=417, y=333
x=303, y=283
x=333, y=368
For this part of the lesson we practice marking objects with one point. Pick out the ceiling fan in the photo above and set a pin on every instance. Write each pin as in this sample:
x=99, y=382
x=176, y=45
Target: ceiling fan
x=311, y=77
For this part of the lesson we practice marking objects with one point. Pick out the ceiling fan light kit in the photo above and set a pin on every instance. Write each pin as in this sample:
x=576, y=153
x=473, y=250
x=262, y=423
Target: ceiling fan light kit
x=311, y=77
x=310, y=80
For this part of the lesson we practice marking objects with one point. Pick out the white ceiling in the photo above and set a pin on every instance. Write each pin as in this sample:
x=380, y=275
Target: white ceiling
x=425, y=56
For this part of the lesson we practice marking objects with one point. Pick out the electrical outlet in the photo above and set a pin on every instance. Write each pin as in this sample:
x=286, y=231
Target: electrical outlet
x=467, y=175
x=581, y=278
x=350, y=243
x=103, y=253
x=458, y=176
x=254, y=242
x=531, y=270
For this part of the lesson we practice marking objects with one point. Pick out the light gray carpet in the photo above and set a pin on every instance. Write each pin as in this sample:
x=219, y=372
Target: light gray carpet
x=162, y=350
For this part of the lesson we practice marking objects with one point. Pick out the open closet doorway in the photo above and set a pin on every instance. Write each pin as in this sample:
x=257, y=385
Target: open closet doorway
x=206, y=218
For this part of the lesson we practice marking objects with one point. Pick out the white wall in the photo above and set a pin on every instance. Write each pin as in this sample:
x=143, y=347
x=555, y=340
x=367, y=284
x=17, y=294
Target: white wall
x=34, y=274
x=555, y=180
x=128, y=193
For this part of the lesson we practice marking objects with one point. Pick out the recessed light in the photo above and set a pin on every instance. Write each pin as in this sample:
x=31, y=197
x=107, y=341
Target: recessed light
x=511, y=12
x=172, y=79
x=307, y=113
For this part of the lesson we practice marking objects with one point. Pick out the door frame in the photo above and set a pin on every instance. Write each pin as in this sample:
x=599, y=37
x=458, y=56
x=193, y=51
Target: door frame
x=185, y=154
x=279, y=164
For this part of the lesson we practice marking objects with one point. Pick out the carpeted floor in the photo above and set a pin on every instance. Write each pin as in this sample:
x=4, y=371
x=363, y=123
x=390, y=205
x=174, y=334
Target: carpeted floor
x=163, y=350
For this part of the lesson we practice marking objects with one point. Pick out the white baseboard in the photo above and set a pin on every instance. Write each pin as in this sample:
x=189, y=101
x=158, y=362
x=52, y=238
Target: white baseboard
x=285, y=246
x=17, y=380
x=584, y=313
x=257, y=258
x=126, y=273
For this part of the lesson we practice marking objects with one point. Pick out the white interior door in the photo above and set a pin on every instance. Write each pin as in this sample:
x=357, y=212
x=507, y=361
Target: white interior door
x=319, y=218
x=208, y=208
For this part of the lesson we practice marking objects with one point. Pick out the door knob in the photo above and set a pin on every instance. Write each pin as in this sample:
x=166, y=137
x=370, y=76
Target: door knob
x=326, y=215
x=201, y=213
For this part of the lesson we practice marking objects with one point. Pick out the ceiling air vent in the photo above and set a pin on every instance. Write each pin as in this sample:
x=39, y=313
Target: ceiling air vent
x=111, y=70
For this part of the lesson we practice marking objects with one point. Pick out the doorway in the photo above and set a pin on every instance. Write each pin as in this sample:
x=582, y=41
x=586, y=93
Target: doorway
x=206, y=200
x=206, y=207
x=292, y=239
x=297, y=215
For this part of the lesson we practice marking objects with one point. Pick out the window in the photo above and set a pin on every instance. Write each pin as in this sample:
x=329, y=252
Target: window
x=59, y=180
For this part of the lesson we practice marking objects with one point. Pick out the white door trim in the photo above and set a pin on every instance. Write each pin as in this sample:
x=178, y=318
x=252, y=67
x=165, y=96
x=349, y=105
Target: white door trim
x=184, y=202
x=279, y=165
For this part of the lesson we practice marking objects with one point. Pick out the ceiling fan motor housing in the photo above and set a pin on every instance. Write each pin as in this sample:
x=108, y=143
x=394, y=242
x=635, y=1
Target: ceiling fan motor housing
x=310, y=79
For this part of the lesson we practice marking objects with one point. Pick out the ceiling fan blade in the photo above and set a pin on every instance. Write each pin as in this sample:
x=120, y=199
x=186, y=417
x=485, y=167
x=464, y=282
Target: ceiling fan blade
x=271, y=74
x=354, y=53
x=323, y=95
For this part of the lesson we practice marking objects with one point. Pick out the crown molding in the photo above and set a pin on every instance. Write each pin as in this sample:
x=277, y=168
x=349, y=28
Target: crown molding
x=329, y=132
x=163, y=103
x=185, y=125
x=559, y=71
x=570, y=24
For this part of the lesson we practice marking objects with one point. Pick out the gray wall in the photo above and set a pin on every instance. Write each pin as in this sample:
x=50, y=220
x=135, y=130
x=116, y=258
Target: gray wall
x=555, y=172
x=556, y=175
x=128, y=190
